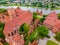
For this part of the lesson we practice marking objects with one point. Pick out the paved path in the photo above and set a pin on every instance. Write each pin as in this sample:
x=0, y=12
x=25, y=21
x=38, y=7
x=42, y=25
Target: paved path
x=52, y=37
x=44, y=41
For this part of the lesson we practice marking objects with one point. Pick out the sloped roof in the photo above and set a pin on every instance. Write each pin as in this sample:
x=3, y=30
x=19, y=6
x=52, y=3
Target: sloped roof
x=51, y=19
x=22, y=18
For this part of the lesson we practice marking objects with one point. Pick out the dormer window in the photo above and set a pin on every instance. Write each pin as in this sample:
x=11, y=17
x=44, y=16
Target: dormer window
x=15, y=31
x=3, y=17
x=12, y=34
x=17, y=15
x=9, y=35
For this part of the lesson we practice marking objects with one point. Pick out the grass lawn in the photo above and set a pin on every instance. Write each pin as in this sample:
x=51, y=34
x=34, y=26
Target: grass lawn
x=51, y=43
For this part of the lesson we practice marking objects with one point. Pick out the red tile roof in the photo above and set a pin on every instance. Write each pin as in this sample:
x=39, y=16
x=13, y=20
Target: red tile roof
x=4, y=18
x=17, y=38
x=52, y=21
x=56, y=28
x=25, y=17
x=11, y=11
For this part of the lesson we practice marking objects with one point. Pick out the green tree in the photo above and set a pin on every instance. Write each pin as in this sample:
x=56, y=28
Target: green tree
x=42, y=19
x=43, y=31
x=40, y=4
x=57, y=37
x=33, y=36
x=1, y=30
x=2, y=10
x=34, y=13
x=24, y=28
x=44, y=15
x=59, y=16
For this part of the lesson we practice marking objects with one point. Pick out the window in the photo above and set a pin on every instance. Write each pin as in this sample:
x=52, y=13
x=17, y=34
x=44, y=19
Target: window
x=3, y=17
x=12, y=34
x=15, y=31
x=9, y=35
x=17, y=15
x=16, y=27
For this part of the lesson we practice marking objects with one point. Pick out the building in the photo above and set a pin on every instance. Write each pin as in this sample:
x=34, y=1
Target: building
x=4, y=17
x=52, y=22
x=11, y=28
x=56, y=28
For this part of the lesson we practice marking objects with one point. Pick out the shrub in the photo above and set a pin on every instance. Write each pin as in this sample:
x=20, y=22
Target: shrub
x=57, y=37
x=43, y=31
x=2, y=10
x=59, y=16
x=24, y=28
x=1, y=30
x=42, y=19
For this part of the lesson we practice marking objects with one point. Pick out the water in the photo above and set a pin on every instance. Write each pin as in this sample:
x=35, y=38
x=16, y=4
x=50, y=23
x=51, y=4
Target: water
x=32, y=9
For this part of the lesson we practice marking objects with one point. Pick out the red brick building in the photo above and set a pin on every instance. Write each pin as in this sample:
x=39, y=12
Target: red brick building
x=18, y=17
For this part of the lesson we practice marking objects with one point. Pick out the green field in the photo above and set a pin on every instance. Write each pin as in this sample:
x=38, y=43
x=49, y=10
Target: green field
x=51, y=43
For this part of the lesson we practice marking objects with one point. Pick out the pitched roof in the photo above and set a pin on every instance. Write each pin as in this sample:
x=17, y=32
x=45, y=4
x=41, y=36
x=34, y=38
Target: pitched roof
x=4, y=18
x=17, y=38
x=52, y=16
x=57, y=25
x=11, y=11
x=51, y=19
x=25, y=17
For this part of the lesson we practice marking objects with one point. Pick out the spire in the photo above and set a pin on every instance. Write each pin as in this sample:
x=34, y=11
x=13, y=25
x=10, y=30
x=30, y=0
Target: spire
x=41, y=13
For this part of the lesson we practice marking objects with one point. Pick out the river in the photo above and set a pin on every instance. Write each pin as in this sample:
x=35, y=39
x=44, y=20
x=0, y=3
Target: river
x=32, y=9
